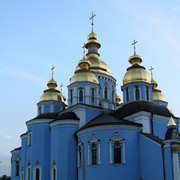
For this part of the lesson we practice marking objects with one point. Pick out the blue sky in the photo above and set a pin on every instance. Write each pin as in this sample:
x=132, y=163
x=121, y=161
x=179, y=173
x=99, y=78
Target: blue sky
x=35, y=35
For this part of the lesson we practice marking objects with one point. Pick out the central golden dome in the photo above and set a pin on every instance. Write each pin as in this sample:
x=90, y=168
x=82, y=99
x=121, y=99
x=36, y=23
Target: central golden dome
x=136, y=75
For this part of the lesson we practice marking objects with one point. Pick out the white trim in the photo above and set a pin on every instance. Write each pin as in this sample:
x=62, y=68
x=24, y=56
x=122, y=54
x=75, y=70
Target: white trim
x=22, y=136
x=37, y=121
x=106, y=127
x=34, y=172
x=67, y=121
x=124, y=153
x=28, y=167
x=99, y=154
x=88, y=156
x=22, y=174
x=110, y=148
x=52, y=171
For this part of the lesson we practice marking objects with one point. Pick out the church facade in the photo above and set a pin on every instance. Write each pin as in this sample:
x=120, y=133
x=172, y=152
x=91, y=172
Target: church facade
x=94, y=136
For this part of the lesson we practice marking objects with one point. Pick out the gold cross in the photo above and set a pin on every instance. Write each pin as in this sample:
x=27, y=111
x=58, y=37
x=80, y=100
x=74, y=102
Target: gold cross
x=151, y=69
x=52, y=70
x=93, y=15
x=134, y=43
x=61, y=87
x=84, y=49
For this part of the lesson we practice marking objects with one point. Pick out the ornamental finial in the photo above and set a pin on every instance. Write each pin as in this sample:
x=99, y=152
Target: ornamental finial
x=134, y=43
x=91, y=18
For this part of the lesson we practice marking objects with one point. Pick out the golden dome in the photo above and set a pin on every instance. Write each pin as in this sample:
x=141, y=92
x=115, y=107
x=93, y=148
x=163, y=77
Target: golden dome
x=158, y=96
x=136, y=75
x=84, y=77
x=92, y=37
x=154, y=83
x=135, y=59
x=98, y=66
x=118, y=99
x=83, y=73
x=52, y=94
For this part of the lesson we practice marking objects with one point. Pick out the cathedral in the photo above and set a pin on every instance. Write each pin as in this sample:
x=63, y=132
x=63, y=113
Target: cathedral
x=91, y=135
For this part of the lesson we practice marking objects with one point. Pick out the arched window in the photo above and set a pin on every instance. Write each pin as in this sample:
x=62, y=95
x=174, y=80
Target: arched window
x=22, y=175
x=92, y=95
x=93, y=151
x=113, y=96
x=37, y=174
x=80, y=95
x=71, y=95
x=137, y=94
x=117, y=149
x=147, y=93
x=54, y=174
x=17, y=168
x=106, y=93
x=127, y=95
x=117, y=152
x=30, y=138
x=94, y=154
x=80, y=153
x=28, y=175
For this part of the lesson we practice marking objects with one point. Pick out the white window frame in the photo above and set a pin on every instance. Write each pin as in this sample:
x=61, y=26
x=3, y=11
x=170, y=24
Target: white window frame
x=80, y=161
x=52, y=172
x=17, y=159
x=97, y=142
x=34, y=172
x=28, y=167
x=29, y=138
x=111, y=149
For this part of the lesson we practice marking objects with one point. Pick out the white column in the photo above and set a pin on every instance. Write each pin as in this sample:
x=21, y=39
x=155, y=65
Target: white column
x=99, y=152
x=52, y=108
x=124, y=155
x=110, y=148
x=175, y=163
x=88, y=155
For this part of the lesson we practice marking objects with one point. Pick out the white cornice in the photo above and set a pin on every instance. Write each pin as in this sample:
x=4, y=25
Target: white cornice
x=106, y=127
x=23, y=136
x=38, y=121
x=67, y=121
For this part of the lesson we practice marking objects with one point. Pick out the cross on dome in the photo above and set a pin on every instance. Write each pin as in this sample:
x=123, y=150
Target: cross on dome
x=52, y=70
x=61, y=87
x=134, y=43
x=84, y=49
x=151, y=69
x=91, y=18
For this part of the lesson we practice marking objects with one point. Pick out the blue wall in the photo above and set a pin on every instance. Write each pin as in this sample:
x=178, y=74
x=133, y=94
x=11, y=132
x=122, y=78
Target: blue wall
x=151, y=161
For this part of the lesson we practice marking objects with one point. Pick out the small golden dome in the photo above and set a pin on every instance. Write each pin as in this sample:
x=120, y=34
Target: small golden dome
x=84, y=77
x=136, y=75
x=118, y=99
x=158, y=96
x=52, y=84
x=171, y=122
x=135, y=59
x=154, y=83
x=51, y=96
x=92, y=37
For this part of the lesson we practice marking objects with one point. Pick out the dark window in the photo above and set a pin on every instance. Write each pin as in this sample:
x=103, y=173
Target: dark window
x=137, y=94
x=71, y=95
x=94, y=154
x=105, y=93
x=117, y=152
x=17, y=168
x=30, y=139
x=54, y=174
x=127, y=95
x=37, y=174
x=113, y=96
x=81, y=95
x=28, y=173
x=147, y=93
x=92, y=95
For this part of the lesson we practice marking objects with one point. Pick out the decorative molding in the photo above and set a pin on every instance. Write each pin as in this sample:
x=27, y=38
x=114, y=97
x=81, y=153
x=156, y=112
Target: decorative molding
x=67, y=121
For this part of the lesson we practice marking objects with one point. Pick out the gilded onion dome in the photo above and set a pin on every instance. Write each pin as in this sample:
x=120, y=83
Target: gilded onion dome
x=118, y=99
x=136, y=73
x=157, y=95
x=52, y=94
x=83, y=73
